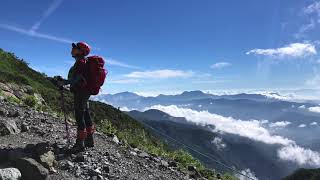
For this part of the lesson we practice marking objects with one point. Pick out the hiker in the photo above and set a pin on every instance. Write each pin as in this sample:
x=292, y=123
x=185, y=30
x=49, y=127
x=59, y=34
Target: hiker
x=82, y=85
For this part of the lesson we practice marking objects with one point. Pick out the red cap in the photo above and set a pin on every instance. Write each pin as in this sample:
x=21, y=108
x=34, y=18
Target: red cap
x=84, y=47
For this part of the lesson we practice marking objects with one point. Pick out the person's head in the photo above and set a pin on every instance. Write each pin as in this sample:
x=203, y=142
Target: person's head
x=80, y=49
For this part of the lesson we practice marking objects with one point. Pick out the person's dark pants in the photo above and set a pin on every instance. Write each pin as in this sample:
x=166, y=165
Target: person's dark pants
x=82, y=115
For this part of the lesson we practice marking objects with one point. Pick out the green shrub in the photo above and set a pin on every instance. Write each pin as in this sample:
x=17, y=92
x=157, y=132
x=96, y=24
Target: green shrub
x=107, y=127
x=13, y=99
x=30, y=101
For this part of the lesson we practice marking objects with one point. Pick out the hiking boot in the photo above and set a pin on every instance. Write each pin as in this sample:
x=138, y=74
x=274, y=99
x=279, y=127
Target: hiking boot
x=89, y=142
x=77, y=147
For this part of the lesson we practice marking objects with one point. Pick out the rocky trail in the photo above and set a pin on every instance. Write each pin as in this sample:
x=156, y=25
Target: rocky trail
x=33, y=144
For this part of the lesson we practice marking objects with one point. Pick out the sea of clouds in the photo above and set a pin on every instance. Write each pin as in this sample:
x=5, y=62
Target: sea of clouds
x=253, y=129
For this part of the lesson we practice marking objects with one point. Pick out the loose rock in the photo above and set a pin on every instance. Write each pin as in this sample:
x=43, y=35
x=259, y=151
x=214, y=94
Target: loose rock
x=115, y=139
x=47, y=159
x=8, y=127
x=10, y=174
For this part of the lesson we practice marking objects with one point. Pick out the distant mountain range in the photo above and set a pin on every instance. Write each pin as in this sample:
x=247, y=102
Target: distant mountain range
x=241, y=106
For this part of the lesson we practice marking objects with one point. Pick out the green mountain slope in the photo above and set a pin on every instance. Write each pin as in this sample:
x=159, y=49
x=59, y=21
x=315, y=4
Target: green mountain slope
x=107, y=118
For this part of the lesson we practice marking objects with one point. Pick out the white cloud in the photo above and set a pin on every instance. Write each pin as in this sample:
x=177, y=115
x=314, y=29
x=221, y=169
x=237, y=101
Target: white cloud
x=35, y=34
x=160, y=74
x=124, y=81
x=52, y=7
x=220, y=65
x=274, y=95
x=208, y=81
x=32, y=31
x=305, y=28
x=126, y=109
x=61, y=40
x=302, y=107
x=312, y=14
x=314, y=124
x=300, y=155
x=248, y=173
x=280, y=124
x=315, y=109
x=294, y=50
x=157, y=93
x=217, y=141
x=120, y=64
x=302, y=125
x=252, y=129
x=313, y=8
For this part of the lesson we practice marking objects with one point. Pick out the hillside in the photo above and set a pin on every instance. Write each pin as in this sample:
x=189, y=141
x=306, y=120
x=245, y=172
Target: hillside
x=21, y=86
x=34, y=143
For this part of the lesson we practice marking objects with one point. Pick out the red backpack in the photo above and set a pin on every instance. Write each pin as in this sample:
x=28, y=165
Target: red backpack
x=96, y=74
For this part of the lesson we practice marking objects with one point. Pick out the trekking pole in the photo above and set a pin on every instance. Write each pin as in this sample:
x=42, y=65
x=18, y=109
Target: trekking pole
x=65, y=115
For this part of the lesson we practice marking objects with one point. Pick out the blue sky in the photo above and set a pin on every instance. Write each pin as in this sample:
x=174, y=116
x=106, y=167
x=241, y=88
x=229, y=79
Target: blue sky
x=165, y=46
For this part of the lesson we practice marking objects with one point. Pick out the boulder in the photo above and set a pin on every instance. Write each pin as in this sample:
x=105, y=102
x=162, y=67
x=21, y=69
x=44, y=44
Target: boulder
x=47, y=159
x=42, y=152
x=10, y=174
x=8, y=127
x=31, y=169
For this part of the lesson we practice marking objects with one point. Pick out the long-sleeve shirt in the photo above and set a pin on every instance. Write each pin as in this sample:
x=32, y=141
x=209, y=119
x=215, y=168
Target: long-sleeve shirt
x=76, y=75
